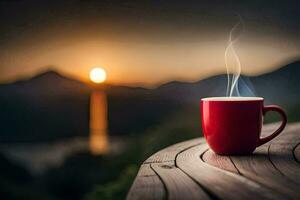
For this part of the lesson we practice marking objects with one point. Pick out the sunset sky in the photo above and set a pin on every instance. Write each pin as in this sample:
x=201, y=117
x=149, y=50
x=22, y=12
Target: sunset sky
x=146, y=42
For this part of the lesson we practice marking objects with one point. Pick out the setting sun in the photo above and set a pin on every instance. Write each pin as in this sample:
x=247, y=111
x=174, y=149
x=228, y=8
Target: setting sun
x=98, y=75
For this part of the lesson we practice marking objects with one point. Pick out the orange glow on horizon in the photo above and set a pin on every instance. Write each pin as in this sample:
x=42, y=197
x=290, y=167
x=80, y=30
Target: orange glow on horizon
x=152, y=64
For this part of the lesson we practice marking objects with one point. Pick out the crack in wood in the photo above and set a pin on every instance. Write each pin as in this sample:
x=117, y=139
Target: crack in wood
x=294, y=153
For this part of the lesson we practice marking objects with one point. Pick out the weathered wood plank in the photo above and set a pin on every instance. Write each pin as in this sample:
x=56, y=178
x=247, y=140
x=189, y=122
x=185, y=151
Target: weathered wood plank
x=222, y=162
x=281, y=153
x=147, y=185
x=147, y=182
x=169, y=153
x=282, y=156
x=258, y=167
x=221, y=183
x=290, y=134
x=178, y=184
x=188, y=170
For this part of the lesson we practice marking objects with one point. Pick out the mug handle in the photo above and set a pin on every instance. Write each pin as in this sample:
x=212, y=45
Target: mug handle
x=278, y=109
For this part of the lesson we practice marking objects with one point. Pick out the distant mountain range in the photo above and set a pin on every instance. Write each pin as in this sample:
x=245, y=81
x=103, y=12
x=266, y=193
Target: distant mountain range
x=50, y=106
x=279, y=86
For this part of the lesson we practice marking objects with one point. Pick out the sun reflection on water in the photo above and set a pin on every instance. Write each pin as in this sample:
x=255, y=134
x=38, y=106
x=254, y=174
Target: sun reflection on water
x=99, y=141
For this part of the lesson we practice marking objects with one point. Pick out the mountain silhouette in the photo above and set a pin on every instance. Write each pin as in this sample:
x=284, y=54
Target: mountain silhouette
x=51, y=106
x=279, y=86
x=46, y=83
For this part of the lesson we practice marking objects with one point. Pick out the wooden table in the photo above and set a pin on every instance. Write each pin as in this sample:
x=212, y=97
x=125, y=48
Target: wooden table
x=190, y=170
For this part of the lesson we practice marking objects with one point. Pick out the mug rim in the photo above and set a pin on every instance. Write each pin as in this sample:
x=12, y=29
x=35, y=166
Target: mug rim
x=226, y=99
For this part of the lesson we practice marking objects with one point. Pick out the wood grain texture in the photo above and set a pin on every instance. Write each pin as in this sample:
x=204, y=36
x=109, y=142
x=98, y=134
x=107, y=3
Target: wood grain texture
x=222, y=162
x=290, y=134
x=221, y=183
x=147, y=185
x=169, y=153
x=281, y=154
x=189, y=170
x=259, y=168
x=178, y=184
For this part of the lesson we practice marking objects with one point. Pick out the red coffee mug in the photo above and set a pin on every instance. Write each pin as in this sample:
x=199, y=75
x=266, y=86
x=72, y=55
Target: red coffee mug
x=232, y=125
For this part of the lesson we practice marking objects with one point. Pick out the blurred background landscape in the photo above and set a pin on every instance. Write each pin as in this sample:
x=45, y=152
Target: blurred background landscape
x=65, y=137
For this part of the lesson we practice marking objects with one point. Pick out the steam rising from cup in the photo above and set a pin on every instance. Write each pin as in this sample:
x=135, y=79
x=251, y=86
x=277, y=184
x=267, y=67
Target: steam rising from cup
x=232, y=61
